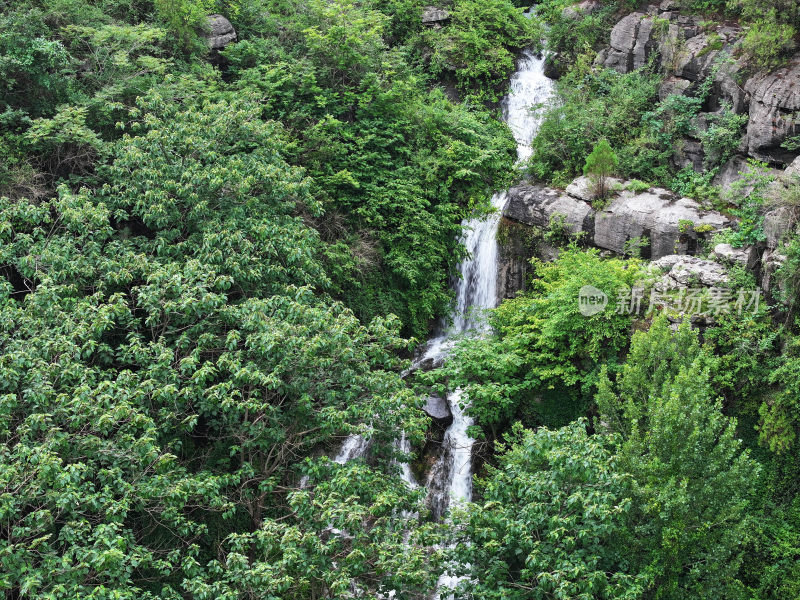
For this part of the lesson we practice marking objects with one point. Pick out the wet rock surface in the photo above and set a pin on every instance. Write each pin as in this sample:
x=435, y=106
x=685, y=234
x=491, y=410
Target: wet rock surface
x=438, y=410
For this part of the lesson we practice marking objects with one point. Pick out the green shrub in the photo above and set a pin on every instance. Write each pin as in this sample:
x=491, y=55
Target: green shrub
x=599, y=166
x=479, y=45
x=588, y=107
x=768, y=41
x=543, y=343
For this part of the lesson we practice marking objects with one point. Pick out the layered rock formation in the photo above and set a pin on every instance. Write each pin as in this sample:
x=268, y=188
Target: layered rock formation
x=691, y=51
x=654, y=222
x=681, y=271
x=774, y=101
x=536, y=204
x=668, y=222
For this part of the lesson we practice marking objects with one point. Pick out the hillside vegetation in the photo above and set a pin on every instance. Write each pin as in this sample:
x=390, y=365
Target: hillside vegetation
x=216, y=264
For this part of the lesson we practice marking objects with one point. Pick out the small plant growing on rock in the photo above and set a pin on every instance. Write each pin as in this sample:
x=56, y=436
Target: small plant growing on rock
x=636, y=186
x=600, y=165
x=558, y=231
x=685, y=225
x=633, y=247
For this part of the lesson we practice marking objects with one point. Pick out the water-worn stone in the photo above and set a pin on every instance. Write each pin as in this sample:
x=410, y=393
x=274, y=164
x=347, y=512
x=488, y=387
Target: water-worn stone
x=219, y=32
x=438, y=409
x=668, y=222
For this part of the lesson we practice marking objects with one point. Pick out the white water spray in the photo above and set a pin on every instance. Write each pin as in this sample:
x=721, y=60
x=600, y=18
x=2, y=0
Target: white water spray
x=476, y=290
x=450, y=481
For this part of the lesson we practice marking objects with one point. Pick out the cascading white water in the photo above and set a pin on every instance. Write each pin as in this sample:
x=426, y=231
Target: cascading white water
x=476, y=291
x=450, y=479
x=353, y=447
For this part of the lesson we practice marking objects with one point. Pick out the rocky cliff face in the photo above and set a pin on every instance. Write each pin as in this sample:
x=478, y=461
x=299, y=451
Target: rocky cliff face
x=690, y=51
x=662, y=225
x=654, y=222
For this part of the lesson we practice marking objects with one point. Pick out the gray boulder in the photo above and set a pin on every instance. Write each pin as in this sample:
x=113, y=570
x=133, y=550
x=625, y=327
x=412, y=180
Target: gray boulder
x=631, y=43
x=434, y=17
x=686, y=271
x=734, y=170
x=576, y=11
x=746, y=257
x=219, y=32
x=691, y=60
x=438, y=409
x=685, y=49
x=668, y=222
x=673, y=86
x=689, y=153
x=774, y=100
x=535, y=204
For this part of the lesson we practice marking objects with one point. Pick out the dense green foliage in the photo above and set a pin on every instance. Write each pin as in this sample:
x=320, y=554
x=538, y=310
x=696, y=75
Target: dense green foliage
x=544, y=348
x=214, y=266
x=205, y=277
x=181, y=293
x=693, y=482
x=552, y=523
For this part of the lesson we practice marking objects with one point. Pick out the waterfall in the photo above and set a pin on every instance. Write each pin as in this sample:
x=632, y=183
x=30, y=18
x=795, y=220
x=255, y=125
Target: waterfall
x=451, y=478
x=353, y=447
